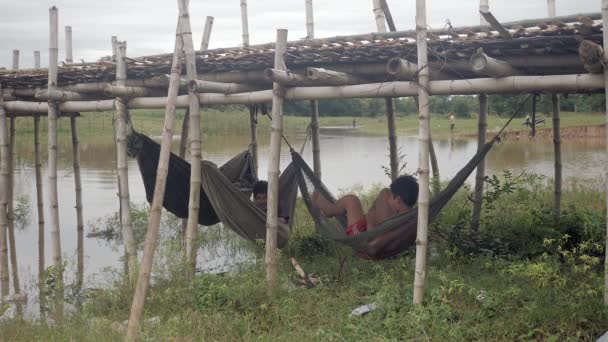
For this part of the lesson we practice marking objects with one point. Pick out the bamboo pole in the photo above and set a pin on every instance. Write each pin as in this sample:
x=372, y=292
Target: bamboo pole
x=379, y=16
x=195, y=138
x=551, y=8
x=288, y=78
x=68, y=45
x=40, y=205
x=53, y=113
x=389, y=17
x=37, y=59
x=79, y=216
x=15, y=59
x=331, y=77
x=199, y=86
x=114, y=41
x=253, y=127
x=605, y=23
x=11, y=207
x=482, y=126
x=557, y=150
x=207, y=34
x=4, y=185
x=580, y=83
x=484, y=6
x=485, y=65
x=61, y=96
x=423, y=153
x=245, y=23
x=121, y=163
x=314, y=104
x=436, y=184
x=143, y=281
x=272, y=222
x=392, y=137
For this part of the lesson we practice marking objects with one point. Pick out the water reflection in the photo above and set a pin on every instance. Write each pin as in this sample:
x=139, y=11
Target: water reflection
x=347, y=160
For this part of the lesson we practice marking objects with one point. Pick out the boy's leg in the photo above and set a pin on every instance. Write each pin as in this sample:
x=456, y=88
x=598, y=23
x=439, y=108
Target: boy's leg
x=349, y=205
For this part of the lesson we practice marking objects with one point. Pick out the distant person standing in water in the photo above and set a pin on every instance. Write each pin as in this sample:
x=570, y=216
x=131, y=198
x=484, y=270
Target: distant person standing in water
x=452, y=122
x=354, y=123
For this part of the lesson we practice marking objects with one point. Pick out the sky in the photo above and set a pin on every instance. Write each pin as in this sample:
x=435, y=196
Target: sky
x=148, y=26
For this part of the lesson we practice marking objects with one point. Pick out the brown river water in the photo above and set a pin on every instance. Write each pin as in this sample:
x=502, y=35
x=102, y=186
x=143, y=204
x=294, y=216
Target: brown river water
x=348, y=159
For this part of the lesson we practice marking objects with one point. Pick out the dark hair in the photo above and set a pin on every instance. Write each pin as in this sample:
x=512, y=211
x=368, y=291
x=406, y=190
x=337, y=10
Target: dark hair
x=406, y=187
x=260, y=187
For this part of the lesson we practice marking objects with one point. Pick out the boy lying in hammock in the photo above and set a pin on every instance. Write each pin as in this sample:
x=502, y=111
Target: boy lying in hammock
x=260, y=199
x=393, y=201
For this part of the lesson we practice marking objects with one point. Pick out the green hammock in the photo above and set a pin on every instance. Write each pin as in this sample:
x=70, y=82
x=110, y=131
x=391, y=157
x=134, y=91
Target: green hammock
x=225, y=191
x=401, y=229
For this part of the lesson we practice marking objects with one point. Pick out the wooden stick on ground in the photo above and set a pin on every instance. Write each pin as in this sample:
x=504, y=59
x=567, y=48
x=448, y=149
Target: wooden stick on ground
x=143, y=281
x=272, y=221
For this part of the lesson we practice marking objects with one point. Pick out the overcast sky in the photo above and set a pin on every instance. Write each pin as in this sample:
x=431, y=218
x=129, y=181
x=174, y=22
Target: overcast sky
x=149, y=26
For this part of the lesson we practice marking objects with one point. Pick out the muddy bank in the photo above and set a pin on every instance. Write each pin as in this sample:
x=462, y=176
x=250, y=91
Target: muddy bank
x=567, y=133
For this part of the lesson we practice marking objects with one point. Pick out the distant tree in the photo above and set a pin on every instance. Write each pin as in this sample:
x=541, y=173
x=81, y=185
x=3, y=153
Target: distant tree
x=463, y=106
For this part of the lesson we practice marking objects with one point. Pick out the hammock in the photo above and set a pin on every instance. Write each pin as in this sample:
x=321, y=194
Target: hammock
x=392, y=236
x=225, y=191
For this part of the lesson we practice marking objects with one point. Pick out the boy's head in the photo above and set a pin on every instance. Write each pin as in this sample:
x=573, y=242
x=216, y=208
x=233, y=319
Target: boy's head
x=405, y=191
x=260, y=194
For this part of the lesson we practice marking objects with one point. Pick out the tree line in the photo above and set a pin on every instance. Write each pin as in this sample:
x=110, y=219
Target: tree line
x=460, y=106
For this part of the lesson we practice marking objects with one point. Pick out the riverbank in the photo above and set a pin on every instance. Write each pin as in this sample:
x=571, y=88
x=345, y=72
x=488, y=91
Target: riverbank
x=592, y=132
x=525, y=277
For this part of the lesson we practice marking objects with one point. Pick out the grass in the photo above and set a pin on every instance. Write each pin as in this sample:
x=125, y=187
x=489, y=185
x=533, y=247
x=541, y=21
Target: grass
x=526, y=278
x=99, y=125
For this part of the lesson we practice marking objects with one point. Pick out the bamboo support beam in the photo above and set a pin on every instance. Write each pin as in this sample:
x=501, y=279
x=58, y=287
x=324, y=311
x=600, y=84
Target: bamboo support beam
x=122, y=114
x=114, y=41
x=195, y=139
x=253, y=128
x=37, y=59
x=485, y=65
x=392, y=137
x=489, y=17
x=124, y=91
x=207, y=34
x=143, y=281
x=551, y=8
x=11, y=208
x=314, y=104
x=484, y=7
x=388, y=16
x=79, y=216
x=605, y=22
x=15, y=59
x=423, y=153
x=557, y=151
x=482, y=126
x=272, y=222
x=62, y=96
x=402, y=69
x=245, y=23
x=288, y=78
x=199, y=86
x=331, y=77
x=69, y=58
x=4, y=185
x=582, y=83
x=53, y=113
x=40, y=206
x=379, y=16
x=7, y=97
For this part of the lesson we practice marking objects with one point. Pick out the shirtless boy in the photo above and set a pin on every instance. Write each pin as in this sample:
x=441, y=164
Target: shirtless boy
x=393, y=201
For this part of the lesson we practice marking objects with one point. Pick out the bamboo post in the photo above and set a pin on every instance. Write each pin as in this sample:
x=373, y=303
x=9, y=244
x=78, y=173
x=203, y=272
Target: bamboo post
x=68, y=45
x=551, y=8
x=4, y=185
x=121, y=118
x=482, y=126
x=114, y=41
x=423, y=153
x=436, y=184
x=245, y=23
x=40, y=205
x=37, y=59
x=143, y=281
x=390, y=104
x=11, y=207
x=314, y=104
x=272, y=222
x=484, y=6
x=53, y=113
x=195, y=138
x=15, y=59
x=207, y=33
x=79, y=217
x=253, y=125
x=557, y=150
x=534, y=103
x=605, y=22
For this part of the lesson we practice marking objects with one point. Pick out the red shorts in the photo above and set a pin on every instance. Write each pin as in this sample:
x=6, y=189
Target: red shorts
x=357, y=227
